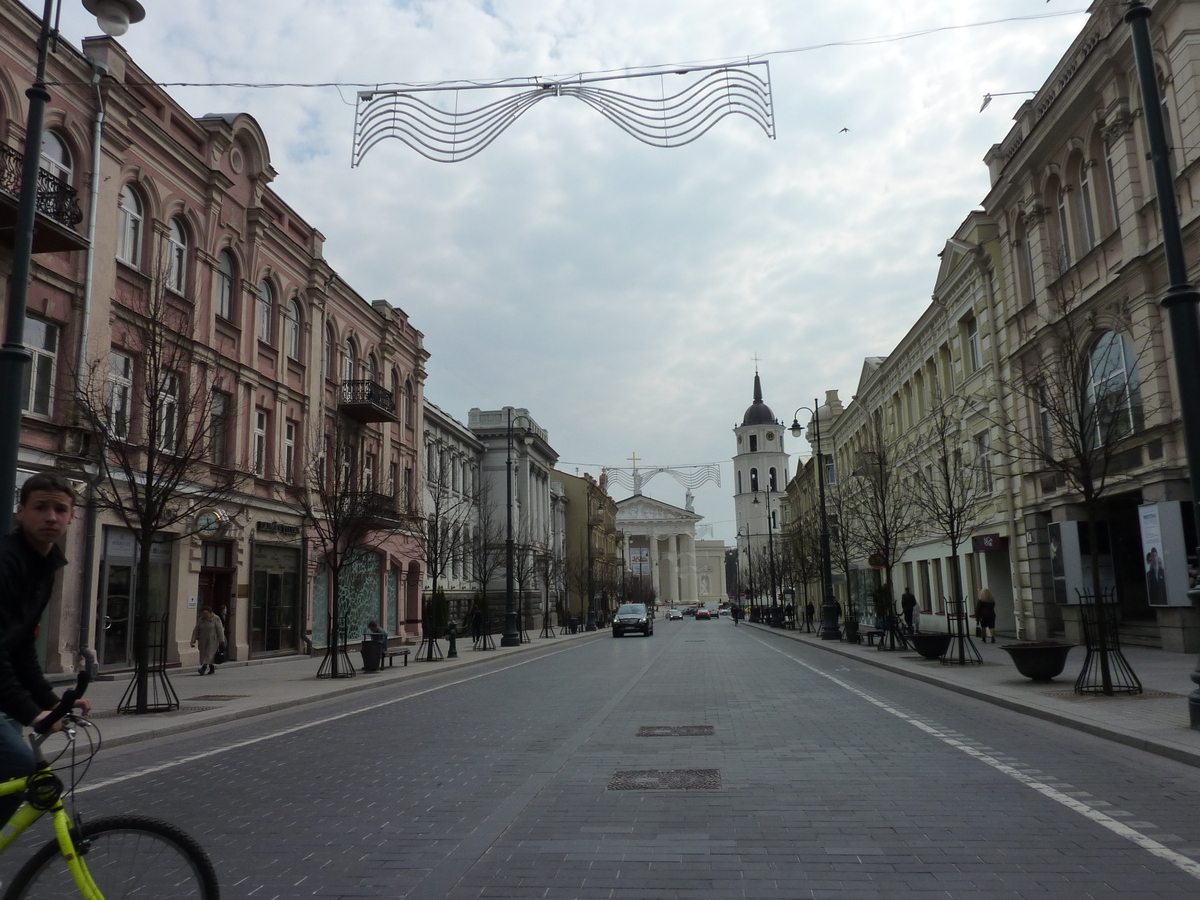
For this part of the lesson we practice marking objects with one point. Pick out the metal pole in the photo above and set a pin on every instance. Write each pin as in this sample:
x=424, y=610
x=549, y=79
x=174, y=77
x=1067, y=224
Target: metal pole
x=511, y=636
x=1182, y=301
x=13, y=355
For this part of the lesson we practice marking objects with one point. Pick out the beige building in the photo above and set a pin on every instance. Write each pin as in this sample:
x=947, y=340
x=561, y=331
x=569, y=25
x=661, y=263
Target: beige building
x=592, y=566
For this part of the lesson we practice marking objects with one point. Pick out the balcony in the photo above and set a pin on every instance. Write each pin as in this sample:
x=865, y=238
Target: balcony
x=378, y=510
x=366, y=401
x=58, y=209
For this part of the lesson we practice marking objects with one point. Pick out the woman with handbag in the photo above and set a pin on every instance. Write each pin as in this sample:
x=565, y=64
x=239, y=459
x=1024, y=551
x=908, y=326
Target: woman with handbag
x=211, y=635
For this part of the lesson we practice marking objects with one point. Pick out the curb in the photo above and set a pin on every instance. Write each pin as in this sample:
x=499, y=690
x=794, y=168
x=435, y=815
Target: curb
x=1178, y=754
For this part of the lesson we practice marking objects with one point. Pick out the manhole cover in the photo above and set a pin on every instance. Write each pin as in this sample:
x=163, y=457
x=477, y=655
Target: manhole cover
x=1145, y=695
x=211, y=697
x=675, y=731
x=666, y=780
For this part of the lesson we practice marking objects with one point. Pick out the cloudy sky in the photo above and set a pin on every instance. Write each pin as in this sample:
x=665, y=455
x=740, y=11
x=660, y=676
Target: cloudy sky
x=620, y=291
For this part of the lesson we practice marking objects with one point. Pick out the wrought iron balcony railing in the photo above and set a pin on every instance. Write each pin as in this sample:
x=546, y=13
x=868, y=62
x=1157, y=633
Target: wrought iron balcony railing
x=368, y=401
x=56, y=199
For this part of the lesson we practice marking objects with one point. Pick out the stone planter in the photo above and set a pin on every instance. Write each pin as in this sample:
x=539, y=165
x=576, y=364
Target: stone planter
x=1039, y=660
x=930, y=645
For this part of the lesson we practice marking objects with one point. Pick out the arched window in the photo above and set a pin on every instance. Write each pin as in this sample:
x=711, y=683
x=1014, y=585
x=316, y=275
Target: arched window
x=56, y=158
x=1024, y=259
x=176, y=256
x=410, y=406
x=754, y=479
x=349, y=360
x=1064, y=231
x=1087, y=224
x=327, y=359
x=372, y=368
x=739, y=479
x=774, y=484
x=396, y=392
x=225, y=283
x=292, y=329
x=1114, y=400
x=129, y=227
x=266, y=311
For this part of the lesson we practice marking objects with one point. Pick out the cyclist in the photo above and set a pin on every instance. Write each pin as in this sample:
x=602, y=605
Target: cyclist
x=29, y=560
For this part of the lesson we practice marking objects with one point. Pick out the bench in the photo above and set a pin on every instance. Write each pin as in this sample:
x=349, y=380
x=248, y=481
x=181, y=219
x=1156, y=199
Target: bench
x=390, y=656
x=871, y=635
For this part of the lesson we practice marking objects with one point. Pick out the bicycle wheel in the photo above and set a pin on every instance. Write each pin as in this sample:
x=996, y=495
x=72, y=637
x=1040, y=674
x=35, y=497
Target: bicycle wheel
x=130, y=856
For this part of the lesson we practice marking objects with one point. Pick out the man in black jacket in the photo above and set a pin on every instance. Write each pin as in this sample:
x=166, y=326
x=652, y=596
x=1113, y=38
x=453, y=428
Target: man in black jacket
x=29, y=559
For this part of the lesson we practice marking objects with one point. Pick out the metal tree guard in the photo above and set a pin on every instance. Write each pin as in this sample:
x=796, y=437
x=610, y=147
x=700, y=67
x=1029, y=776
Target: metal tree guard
x=669, y=120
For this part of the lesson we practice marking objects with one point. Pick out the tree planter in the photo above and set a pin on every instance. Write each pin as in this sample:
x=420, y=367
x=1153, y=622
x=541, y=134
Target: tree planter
x=851, y=630
x=1039, y=660
x=930, y=645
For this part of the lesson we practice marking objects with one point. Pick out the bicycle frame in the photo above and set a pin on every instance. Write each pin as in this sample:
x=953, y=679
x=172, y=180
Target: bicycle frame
x=27, y=814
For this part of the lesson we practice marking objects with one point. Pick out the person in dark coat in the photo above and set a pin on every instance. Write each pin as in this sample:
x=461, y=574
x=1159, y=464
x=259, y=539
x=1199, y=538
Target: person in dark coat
x=985, y=612
x=908, y=602
x=29, y=561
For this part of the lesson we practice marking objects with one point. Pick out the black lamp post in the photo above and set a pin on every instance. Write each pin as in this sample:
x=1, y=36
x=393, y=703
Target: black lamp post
x=775, y=619
x=114, y=17
x=829, y=626
x=512, y=634
x=1182, y=300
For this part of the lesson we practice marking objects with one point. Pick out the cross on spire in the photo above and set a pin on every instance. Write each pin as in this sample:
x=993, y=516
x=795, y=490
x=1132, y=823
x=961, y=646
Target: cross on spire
x=633, y=459
x=756, y=362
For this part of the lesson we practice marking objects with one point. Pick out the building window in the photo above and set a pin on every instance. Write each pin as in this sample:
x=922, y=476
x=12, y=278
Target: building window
x=266, y=308
x=168, y=412
x=1045, y=425
x=974, y=354
x=120, y=393
x=1110, y=168
x=369, y=472
x=753, y=480
x=830, y=471
x=292, y=329
x=327, y=359
x=1064, y=238
x=176, y=257
x=372, y=369
x=261, y=421
x=56, y=158
x=225, y=283
x=773, y=481
x=410, y=406
x=983, y=452
x=739, y=481
x=1113, y=397
x=289, y=452
x=754, y=443
x=1087, y=224
x=41, y=339
x=349, y=363
x=218, y=428
x=129, y=227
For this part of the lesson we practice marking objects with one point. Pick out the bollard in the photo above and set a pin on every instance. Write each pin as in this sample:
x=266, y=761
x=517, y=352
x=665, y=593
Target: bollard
x=452, y=636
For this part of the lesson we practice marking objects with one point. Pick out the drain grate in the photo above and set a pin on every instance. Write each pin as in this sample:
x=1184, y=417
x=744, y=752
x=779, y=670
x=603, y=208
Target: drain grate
x=1145, y=695
x=213, y=697
x=675, y=731
x=666, y=780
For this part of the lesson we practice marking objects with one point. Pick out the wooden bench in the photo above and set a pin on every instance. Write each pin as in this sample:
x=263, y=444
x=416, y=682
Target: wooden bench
x=871, y=635
x=390, y=656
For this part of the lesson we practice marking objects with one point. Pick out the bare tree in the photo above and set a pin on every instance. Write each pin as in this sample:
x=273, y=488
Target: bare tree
x=882, y=507
x=846, y=541
x=1078, y=388
x=347, y=517
x=487, y=557
x=154, y=407
x=444, y=537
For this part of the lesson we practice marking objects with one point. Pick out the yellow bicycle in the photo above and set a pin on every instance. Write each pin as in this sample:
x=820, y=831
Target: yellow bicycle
x=105, y=859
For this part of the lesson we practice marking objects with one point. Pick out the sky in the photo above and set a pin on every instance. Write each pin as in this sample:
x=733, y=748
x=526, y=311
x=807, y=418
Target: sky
x=618, y=291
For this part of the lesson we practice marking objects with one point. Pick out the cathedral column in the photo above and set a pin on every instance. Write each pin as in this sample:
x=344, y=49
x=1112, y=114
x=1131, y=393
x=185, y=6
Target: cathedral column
x=689, y=567
x=673, y=556
x=655, y=579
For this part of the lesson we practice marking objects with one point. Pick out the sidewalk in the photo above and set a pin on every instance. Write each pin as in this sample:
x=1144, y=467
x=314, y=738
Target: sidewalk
x=1155, y=721
x=241, y=690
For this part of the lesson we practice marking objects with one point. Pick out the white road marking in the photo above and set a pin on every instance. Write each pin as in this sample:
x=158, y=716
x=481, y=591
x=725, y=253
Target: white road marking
x=162, y=767
x=1185, y=863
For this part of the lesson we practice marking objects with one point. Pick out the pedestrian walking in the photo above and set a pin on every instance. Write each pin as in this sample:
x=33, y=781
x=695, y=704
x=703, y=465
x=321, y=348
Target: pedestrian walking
x=476, y=626
x=29, y=560
x=908, y=603
x=210, y=634
x=810, y=613
x=985, y=614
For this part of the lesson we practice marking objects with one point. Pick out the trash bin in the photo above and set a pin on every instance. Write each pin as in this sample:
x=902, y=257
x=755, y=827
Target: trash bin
x=372, y=654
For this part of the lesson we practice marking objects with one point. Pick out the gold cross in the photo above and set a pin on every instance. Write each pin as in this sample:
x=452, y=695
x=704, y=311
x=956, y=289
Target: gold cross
x=756, y=362
x=633, y=459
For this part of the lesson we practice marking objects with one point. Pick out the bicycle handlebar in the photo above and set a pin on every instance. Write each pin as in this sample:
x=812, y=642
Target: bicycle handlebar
x=65, y=705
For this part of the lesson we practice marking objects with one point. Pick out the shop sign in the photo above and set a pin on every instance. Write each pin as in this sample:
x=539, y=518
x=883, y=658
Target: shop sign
x=986, y=543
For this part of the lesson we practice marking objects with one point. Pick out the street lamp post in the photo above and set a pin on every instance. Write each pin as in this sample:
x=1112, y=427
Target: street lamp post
x=1182, y=299
x=829, y=627
x=512, y=634
x=114, y=17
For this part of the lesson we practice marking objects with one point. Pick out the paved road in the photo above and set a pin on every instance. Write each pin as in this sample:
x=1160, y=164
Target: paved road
x=821, y=778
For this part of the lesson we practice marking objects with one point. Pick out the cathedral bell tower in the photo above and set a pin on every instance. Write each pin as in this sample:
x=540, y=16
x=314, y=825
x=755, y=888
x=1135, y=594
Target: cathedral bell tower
x=760, y=475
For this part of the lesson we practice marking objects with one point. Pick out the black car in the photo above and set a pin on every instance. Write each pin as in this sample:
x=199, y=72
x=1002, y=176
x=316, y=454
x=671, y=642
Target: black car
x=632, y=617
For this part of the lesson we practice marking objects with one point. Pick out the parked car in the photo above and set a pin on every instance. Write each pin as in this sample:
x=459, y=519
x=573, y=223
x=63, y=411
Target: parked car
x=632, y=617
x=674, y=614
x=703, y=614
x=690, y=611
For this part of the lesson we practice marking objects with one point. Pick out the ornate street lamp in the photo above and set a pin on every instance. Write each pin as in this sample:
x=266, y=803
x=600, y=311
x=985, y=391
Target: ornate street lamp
x=512, y=634
x=114, y=17
x=829, y=627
